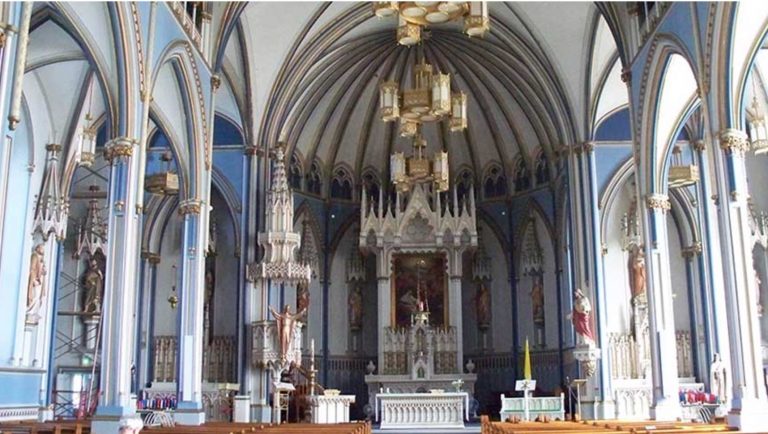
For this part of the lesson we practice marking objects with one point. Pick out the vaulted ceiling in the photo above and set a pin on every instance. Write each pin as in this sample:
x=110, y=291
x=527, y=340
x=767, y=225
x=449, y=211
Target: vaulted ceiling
x=311, y=73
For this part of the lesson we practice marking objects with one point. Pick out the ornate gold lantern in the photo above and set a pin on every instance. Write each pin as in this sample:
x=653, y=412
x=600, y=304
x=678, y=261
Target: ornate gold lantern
x=408, y=33
x=405, y=172
x=166, y=182
x=413, y=15
x=389, y=101
x=384, y=9
x=682, y=175
x=408, y=128
x=458, y=111
x=757, y=129
x=87, y=144
x=476, y=22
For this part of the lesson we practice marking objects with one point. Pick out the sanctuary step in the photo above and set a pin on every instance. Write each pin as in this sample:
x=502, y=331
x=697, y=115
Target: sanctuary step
x=601, y=427
x=83, y=427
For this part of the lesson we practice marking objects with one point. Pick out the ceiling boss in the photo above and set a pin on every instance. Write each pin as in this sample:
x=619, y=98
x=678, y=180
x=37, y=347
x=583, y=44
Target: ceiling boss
x=430, y=99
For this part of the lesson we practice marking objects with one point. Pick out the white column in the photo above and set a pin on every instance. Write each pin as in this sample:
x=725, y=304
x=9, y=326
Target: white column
x=665, y=403
x=749, y=407
x=147, y=312
x=383, y=275
x=192, y=299
x=119, y=289
x=455, y=305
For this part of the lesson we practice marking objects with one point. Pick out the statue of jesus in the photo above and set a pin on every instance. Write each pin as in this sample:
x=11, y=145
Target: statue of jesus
x=582, y=310
x=285, y=325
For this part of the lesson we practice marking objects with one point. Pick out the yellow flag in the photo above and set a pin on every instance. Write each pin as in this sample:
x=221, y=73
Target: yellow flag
x=527, y=366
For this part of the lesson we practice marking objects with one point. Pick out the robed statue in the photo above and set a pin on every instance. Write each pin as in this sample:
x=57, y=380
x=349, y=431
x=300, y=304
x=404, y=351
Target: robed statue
x=93, y=282
x=35, y=287
x=302, y=296
x=582, y=312
x=537, y=301
x=483, y=306
x=636, y=266
x=286, y=322
x=717, y=383
x=355, y=302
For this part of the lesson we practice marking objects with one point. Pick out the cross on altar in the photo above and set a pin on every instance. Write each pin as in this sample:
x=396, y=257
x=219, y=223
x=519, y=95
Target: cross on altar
x=526, y=386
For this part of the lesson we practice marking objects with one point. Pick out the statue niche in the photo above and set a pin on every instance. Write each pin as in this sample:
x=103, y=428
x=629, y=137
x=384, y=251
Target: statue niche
x=93, y=284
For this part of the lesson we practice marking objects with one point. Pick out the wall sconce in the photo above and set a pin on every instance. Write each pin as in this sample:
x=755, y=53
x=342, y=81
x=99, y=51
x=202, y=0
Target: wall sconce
x=173, y=299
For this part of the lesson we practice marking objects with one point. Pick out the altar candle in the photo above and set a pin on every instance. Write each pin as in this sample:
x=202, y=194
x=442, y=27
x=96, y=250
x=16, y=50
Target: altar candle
x=312, y=349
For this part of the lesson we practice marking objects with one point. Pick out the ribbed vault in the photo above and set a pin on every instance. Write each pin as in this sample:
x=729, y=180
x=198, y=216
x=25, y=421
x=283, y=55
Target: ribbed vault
x=322, y=97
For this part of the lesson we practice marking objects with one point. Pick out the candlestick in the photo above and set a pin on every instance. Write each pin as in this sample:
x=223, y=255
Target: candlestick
x=312, y=348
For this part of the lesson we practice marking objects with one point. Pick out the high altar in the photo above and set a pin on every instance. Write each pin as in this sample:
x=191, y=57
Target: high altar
x=418, y=243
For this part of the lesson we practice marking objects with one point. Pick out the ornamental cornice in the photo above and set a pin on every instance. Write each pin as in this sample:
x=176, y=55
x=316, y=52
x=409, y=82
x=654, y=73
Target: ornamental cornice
x=190, y=206
x=119, y=147
x=658, y=201
x=734, y=141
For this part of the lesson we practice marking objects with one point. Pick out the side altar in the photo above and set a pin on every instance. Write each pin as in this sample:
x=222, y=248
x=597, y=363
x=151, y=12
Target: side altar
x=418, y=242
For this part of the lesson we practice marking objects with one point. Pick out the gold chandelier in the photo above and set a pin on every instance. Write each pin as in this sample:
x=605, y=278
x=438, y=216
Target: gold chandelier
x=429, y=100
x=417, y=169
x=413, y=15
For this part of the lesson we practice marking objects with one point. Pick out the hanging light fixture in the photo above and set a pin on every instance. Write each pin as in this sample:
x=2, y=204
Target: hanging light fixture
x=86, y=146
x=429, y=100
x=681, y=174
x=173, y=299
x=412, y=16
x=166, y=182
x=417, y=169
x=758, y=131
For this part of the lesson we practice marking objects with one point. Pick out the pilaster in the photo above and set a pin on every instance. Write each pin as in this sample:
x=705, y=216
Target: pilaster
x=665, y=403
x=749, y=406
x=146, y=314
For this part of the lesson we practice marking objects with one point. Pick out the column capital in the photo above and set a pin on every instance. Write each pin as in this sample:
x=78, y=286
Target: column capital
x=190, y=206
x=152, y=258
x=699, y=145
x=119, y=147
x=626, y=75
x=253, y=150
x=658, y=201
x=215, y=82
x=588, y=146
x=692, y=250
x=734, y=141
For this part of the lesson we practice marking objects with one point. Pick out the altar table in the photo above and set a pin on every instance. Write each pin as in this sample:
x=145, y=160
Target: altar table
x=422, y=410
x=330, y=409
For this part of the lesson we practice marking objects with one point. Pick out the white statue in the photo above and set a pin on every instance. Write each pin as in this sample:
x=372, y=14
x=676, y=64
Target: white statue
x=35, y=287
x=717, y=379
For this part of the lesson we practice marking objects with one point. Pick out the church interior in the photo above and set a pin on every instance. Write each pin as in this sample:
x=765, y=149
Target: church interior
x=383, y=216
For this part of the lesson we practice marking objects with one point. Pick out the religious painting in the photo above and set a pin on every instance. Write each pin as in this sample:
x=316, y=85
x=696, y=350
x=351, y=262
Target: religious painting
x=419, y=283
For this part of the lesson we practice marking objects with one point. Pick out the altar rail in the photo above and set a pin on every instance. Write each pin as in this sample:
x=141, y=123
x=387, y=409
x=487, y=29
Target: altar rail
x=218, y=399
x=630, y=359
x=348, y=375
x=551, y=406
x=633, y=397
x=218, y=359
x=496, y=375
